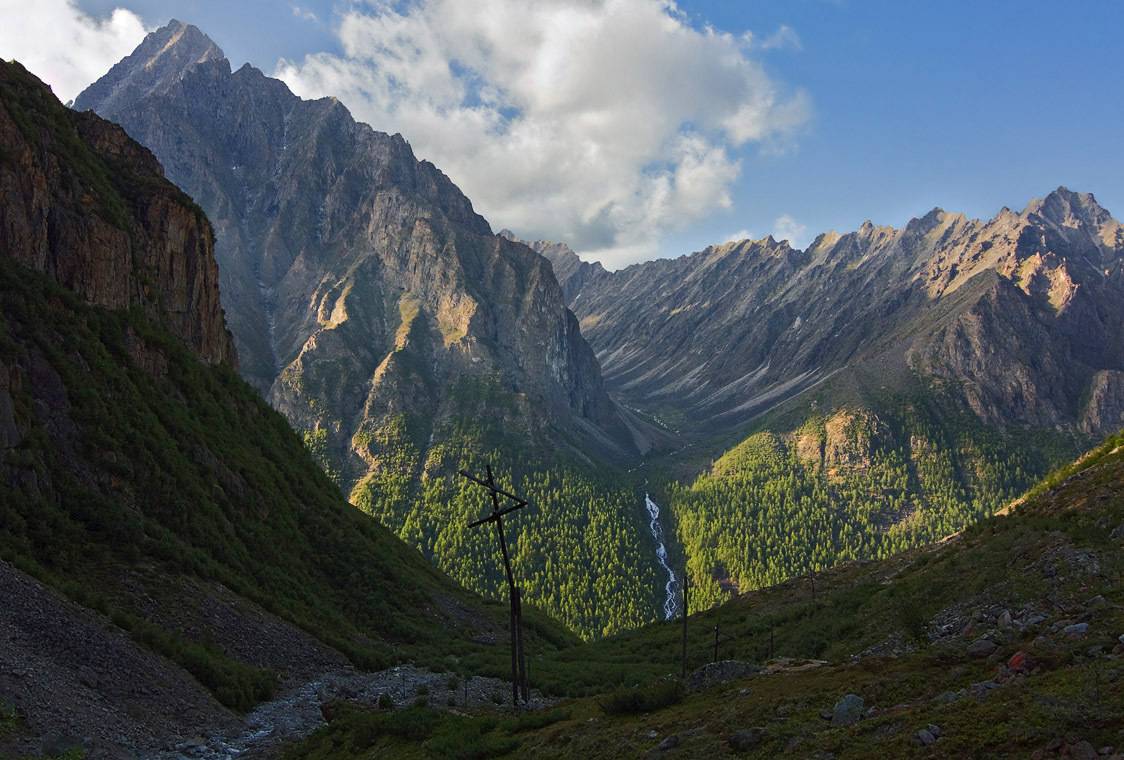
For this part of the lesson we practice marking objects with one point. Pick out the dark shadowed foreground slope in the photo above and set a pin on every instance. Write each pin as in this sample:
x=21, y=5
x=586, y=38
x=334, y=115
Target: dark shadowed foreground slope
x=202, y=548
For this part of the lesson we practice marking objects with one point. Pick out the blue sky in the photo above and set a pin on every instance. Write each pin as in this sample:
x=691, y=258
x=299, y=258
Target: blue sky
x=828, y=113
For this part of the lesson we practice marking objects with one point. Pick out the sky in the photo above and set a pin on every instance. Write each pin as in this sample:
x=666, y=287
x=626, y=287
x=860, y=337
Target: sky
x=631, y=129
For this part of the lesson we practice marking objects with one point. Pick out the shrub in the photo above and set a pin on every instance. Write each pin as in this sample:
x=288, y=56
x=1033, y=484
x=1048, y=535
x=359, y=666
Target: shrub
x=642, y=699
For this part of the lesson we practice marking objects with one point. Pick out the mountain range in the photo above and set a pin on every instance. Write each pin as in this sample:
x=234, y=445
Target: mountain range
x=1021, y=312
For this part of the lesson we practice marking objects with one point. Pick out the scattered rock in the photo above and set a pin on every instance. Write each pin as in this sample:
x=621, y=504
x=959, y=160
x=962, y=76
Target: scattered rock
x=693, y=731
x=847, y=711
x=1005, y=619
x=668, y=743
x=935, y=730
x=982, y=648
x=1081, y=750
x=1077, y=629
x=653, y=735
x=926, y=737
x=827, y=714
x=720, y=672
x=747, y=739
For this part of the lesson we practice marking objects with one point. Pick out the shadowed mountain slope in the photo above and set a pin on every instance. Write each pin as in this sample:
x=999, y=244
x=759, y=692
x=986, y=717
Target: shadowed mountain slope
x=202, y=548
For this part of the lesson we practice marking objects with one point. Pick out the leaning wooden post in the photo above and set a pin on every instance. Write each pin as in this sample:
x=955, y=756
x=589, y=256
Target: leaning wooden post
x=518, y=664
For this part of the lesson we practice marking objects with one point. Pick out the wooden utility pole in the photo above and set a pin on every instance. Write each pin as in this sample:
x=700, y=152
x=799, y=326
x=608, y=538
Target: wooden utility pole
x=718, y=637
x=519, y=685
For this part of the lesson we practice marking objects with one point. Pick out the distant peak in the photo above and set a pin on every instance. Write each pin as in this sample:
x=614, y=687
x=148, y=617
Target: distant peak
x=161, y=60
x=179, y=45
x=1067, y=208
x=926, y=223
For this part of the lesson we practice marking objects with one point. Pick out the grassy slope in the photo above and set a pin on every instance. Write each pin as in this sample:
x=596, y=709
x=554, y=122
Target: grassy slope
x=907, y=619
x=196, y=475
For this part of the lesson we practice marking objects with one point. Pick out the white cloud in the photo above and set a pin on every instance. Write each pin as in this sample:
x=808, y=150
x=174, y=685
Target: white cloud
x=63, y=46
x=785, y=36
x=304, y=14
x=787, y=228
x=606, y=124
x=738, y=236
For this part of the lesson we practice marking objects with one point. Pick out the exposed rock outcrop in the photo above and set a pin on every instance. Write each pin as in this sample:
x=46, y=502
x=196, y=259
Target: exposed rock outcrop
x=572, y=273
x=85, y=204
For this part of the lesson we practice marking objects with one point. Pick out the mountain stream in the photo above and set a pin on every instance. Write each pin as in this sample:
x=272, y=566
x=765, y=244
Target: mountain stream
x=671, y=599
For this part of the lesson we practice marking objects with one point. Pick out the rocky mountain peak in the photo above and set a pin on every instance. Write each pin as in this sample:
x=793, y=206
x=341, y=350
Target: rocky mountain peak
x=355, y=275
x=1068, y=209
x=157, y=64
x=927, y=223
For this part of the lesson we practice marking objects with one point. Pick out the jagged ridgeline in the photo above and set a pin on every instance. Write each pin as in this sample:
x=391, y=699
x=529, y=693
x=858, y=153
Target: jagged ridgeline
x=881, y=389
x=140, y=474
x=377, y=311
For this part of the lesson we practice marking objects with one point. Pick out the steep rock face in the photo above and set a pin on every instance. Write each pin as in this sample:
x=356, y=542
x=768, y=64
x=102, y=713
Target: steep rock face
x=1022, y=312
x=572, y=273
x=361, y=285
x=85, y=204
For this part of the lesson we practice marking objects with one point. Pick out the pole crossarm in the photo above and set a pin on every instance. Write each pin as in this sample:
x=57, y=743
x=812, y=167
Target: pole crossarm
x=492, y=487
x=495, y=516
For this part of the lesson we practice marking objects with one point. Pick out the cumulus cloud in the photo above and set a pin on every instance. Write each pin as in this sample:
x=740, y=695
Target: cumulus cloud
x=737, y=237
x=63, y=46
x=787, y=228
x=606, y=124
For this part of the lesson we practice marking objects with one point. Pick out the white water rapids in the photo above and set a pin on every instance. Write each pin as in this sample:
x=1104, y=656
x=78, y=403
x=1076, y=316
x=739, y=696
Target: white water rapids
x=671, y=600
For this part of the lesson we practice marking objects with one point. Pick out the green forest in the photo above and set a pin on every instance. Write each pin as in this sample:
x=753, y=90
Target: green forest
x=846, y=486
x=855, y=485
x=581, y=550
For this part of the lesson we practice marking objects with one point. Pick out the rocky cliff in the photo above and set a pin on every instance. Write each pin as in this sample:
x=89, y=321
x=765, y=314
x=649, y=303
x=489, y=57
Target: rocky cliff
x=1022, y=313
x=361, y=285
x=572, y=273
x=83, y=203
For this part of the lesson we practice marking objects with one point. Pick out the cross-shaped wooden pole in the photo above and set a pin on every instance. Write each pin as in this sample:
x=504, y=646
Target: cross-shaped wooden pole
x=518, y=662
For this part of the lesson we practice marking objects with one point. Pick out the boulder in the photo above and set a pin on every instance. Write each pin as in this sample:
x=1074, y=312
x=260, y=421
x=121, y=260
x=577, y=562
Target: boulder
x=982, y=648
x=848, y=710
x=747, y=739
